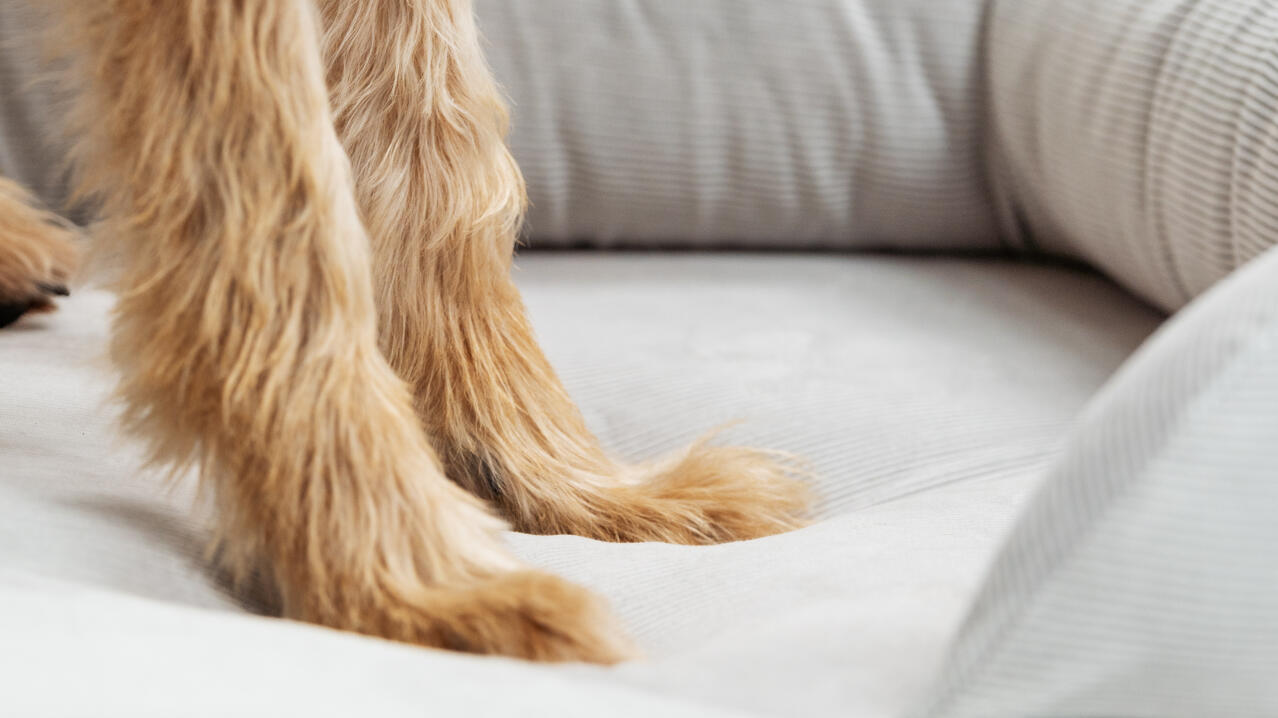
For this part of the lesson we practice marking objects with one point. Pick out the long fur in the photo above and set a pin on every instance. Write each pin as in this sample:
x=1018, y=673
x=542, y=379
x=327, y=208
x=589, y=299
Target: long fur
x=37, y=254
x=245, y=334
x=316, y=213
x=424, y=126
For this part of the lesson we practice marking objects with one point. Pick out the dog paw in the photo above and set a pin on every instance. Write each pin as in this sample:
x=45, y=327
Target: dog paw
x=703, y=495
x=534, y=616
x=715, y=494
x=35, y=266
x=527, y=614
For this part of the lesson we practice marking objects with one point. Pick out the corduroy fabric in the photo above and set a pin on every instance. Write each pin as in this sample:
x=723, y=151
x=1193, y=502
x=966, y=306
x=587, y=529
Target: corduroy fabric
x=786, y=124
x=1140, y=581
x=1138, y=135
x=31, y=150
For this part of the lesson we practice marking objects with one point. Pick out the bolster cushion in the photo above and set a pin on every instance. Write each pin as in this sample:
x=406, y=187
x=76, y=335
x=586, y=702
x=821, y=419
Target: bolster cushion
x=786, y=124
x=1138, y=135
x=1140, y=580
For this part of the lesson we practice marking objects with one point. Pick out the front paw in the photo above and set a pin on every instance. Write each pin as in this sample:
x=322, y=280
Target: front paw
x=702, y=495
x=520, y=614
x=34, y=269
x=714, y=494
x=529, y=615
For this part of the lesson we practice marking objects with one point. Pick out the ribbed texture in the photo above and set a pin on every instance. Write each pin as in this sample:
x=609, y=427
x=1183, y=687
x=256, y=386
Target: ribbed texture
x=1138, y=134
x=785, y=123
x=957, y=370
x=29, y=140
x=1141, y=580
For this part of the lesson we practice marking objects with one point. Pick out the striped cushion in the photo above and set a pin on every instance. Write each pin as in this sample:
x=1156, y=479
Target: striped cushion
x=28, y=150
x=786, y=123
x=1141, y=580
x=1138, y=134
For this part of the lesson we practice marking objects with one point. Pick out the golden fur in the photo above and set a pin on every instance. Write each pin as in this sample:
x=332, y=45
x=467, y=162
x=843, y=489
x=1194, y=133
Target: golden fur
x=37, y=256
x=442, y=200
x=317, y=212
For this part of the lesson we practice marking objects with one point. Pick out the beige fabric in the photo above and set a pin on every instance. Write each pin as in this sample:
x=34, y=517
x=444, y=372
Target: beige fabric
x=930, y=395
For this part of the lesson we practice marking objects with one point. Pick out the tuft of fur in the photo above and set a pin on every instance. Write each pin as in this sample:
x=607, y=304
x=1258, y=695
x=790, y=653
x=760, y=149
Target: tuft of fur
x=37, y=255
x=424, y=126
x=246, y=333
x=527, y=614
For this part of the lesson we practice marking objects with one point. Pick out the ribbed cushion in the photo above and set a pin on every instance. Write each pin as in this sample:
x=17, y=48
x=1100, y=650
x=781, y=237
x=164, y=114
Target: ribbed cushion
x=787, y=123
x=1138, y=134
x=29, y=151
x=792, y=123
x=1141, y=579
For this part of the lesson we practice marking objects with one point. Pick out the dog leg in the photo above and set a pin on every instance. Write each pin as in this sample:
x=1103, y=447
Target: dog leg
x=37, y=255
x=424, y=126
x=246, y=335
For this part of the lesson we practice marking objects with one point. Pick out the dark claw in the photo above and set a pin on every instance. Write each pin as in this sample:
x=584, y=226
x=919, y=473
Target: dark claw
x=55, y=289
x=11, y=312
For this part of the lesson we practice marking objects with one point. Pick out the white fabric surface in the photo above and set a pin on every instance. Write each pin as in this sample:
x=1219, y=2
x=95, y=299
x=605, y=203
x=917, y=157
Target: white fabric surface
x=1141, y=579
x=930, y=395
